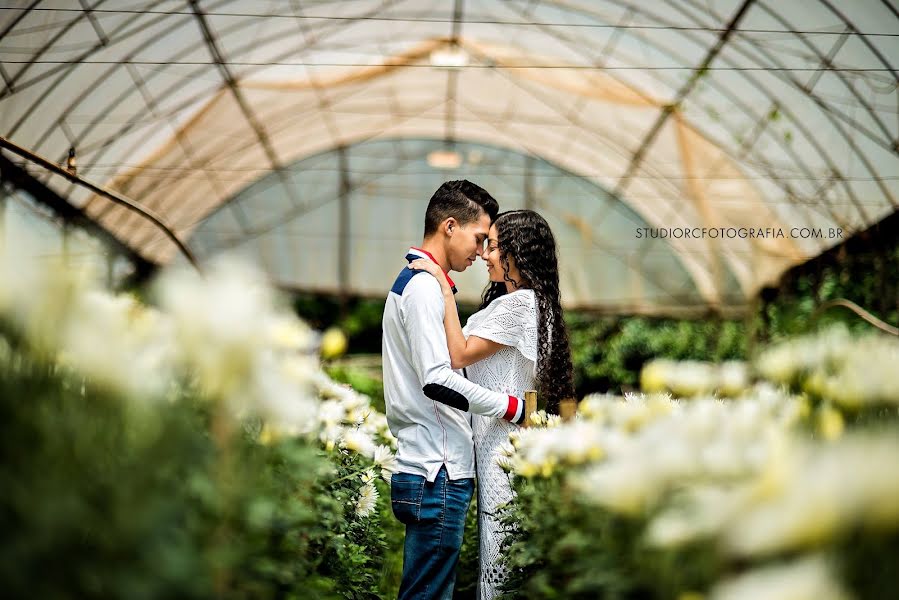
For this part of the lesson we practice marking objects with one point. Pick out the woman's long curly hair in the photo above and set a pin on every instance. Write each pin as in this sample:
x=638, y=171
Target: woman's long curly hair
x=526, y=237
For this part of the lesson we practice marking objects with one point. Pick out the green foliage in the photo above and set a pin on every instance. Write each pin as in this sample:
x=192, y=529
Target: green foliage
x=359, y=318
x=469, y=557
x=105, y=497
x=363, y=379
x=563, y=548
x=350, y=550
x=865, y=270
x=608, y=353
x=394, y=536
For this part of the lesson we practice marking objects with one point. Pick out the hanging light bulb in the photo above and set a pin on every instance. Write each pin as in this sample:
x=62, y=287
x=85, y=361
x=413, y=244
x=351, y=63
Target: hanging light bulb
x=71, y=165
x=444, y=159
x=452, y=57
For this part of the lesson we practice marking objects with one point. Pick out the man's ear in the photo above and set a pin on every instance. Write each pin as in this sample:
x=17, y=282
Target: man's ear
x=450, y=226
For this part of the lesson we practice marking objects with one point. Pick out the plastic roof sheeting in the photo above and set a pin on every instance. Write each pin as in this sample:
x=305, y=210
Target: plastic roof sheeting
x=686, y=113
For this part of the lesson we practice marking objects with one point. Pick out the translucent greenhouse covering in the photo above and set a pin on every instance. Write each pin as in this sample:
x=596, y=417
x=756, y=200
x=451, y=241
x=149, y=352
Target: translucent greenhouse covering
x=686, y=152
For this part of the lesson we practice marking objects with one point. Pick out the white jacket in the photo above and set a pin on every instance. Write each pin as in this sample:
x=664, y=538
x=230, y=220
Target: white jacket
x=427, y=401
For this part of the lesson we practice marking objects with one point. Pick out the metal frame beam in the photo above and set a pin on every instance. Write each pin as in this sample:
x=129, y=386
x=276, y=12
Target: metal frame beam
x=682, y=94
x=71, y=215
x=99, y=190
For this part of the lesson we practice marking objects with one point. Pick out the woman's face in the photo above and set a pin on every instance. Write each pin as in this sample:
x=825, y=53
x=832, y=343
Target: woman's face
x=492, y=256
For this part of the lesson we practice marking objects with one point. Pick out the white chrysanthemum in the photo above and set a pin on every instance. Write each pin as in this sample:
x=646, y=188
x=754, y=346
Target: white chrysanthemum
x=368, y=499
x=137, y=352
x=277, y=396
x=699, y=512
x=706, y=441
x=593, y=407
x=624, y=486
x=330, y=436
x=358, y=415
x=693, y=378
x=505, y=463
x=330, y=413
x=733, y=378
x=540, y=450
x=820, y=492
x=359, y=442
x=852, y=372
x=287, y=332
x=810, y=578
x=221, y=321
x=553, y=421
x=384, y=458
x=537, y=418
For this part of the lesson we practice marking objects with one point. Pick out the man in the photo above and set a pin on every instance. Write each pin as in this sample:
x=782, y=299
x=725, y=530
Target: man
x=427, y=401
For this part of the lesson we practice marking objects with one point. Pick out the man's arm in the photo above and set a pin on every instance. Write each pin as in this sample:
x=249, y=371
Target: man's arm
x=422, y=314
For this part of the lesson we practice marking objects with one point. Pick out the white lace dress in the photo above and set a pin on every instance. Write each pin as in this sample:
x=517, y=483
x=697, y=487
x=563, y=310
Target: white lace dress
x=510, y=320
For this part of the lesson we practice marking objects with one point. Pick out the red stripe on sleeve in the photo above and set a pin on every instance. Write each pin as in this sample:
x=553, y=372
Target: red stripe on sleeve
x=512, y=410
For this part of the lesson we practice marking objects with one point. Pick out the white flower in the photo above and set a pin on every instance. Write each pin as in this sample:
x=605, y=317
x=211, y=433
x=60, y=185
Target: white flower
x=359, y=442
x=277, y=396
x=289, y=333
x=733, y=378
x=700, y=511
x=810, y=578
x=622, y=486
x=537, y=418
x=368, y=499
x=330, y=436
x=330, y=413
x=221, y=321
x=819, y=492
x=367, y=476
x=113, y=340
x=383, y=457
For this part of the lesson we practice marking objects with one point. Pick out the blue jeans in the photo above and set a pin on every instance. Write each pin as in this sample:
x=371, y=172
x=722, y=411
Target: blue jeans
x=434, y=516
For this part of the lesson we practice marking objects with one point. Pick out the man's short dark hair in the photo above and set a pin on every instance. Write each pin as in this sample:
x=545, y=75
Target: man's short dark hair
x=462, y=200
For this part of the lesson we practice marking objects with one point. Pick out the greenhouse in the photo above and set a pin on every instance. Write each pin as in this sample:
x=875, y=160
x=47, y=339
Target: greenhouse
x=205, y=203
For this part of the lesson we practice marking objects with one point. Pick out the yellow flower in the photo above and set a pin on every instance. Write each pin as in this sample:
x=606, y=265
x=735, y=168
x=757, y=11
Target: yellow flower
x=268, y=435
x=527, y=469
x=547, y=468
x=653, y=377
x=805, y=408
x=830, y=422
x=334, y=343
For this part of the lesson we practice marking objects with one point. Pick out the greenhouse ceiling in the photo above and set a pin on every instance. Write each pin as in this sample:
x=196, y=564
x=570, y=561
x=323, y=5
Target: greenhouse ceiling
x=686, y=152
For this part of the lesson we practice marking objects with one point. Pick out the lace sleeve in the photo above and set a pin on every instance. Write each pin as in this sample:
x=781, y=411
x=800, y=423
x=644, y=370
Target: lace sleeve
x=510, y=320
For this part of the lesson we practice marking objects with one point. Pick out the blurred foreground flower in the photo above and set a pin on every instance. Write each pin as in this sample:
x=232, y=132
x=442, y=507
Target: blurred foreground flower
x=687, y=379
x=805, y=579
x=853, y=372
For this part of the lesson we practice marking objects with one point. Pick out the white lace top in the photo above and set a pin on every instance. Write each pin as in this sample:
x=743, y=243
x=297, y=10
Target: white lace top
x=510, y=320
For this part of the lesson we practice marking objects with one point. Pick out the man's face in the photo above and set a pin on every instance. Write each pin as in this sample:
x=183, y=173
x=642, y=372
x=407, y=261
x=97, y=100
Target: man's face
x=467, y=243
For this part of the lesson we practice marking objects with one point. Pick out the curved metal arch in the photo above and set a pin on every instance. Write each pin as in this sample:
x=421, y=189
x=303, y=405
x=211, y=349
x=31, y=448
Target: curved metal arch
x=830, y=114
x=751, y=78
x=248, y=144
x=249, y=45
x=863, y=37
x=298, y=212
x=65, y=69
x=794, y=121
x=797, y=123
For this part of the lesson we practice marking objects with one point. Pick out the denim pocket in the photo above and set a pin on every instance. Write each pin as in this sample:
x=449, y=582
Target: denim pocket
x=406, y=491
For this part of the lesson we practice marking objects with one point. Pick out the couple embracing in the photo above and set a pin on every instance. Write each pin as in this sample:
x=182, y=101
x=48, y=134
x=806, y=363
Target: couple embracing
x=450, y=426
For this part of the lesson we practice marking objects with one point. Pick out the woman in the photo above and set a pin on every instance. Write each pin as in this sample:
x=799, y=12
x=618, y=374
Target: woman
x=517, y=341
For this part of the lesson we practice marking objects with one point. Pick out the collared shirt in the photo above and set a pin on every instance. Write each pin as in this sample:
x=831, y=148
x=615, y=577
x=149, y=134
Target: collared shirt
x=427, y=401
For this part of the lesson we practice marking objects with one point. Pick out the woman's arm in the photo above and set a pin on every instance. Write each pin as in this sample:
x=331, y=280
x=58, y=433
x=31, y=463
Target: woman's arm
x=462, y=352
